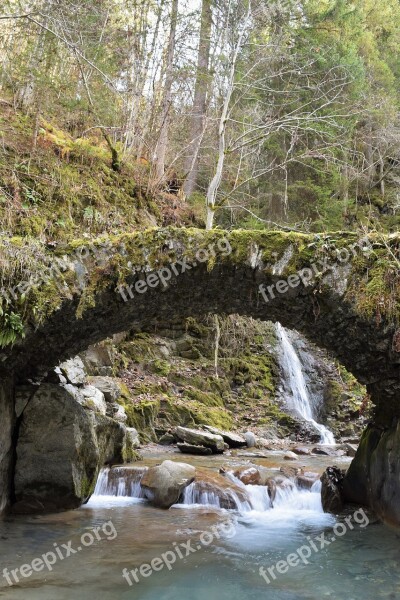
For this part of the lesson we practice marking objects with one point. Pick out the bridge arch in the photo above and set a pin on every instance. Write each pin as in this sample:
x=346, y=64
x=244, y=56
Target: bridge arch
x=319, y=285
x=340, y=291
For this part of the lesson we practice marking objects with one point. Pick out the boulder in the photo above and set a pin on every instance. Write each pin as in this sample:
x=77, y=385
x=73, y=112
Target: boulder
x=234, y=440
x=108, y=385
x=278, y=483
x=332, y=490
x=61, y=448
x=252, y=475
x=133, y=435
x=196, y=437
x=351, y=449
x=291, y=472
x=306, y=481
x=228, y=494
x=250, y=439
x=167, y=439
x=302, y=451
x=290, y=456
x=93, y=399
x=97, y=358
x=164, y=484
x=248, y=475
x=192, y=449
x=74, y=371
x=373, y=478
x=120, y=414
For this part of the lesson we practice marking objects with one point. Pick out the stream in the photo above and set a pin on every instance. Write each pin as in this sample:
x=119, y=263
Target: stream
x=361, y=564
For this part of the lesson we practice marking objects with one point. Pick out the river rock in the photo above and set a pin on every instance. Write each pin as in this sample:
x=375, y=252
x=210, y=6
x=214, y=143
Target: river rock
x=280, y=482
x=290, y=456
x=61, y=448
x=302, y=451
x=351, y=449
x=228, y=494
x=291, y=472
x=196, y=437
x=234, y=440
x=74, y=371
x=164, y=484
x=248, y=475
x=332, y=490
x=250, y=439
x=252, y=475
x=108, y=386
x=192, y=449
x=307, y=480
x=324, y=451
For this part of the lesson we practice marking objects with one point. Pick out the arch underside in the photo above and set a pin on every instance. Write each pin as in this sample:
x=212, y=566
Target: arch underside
x=361, y=345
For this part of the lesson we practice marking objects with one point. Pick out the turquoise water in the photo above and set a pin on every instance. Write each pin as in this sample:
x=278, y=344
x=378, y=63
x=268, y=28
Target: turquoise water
x=362, y=564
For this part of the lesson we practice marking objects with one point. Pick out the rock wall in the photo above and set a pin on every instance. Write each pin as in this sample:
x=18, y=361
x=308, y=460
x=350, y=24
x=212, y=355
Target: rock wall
x=61, y=448
x=6, y=441
x=373, y=478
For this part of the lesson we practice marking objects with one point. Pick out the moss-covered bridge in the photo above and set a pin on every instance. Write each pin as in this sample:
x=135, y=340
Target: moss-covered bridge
x=341, y=291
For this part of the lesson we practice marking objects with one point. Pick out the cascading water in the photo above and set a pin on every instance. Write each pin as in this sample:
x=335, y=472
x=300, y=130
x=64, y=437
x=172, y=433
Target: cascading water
x=291, y=367
x=120, y=482
x=123, y=483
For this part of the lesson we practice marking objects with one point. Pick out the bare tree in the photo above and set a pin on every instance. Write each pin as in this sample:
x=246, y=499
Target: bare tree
x=200, y=98
x=162, y=143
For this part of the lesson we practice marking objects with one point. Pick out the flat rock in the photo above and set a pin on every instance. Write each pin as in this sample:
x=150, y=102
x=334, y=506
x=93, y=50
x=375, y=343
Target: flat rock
x=192, y=449
x=234, y=440
x=290, y=456
x=301, y=451
x=195, y=437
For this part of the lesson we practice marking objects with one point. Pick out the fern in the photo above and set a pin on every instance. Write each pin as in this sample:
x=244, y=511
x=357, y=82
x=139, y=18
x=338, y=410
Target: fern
x=12, y=328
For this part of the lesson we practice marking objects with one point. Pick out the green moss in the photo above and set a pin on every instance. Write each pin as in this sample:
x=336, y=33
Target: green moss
x=206, y=398
x=161, y=367
x=141, y=415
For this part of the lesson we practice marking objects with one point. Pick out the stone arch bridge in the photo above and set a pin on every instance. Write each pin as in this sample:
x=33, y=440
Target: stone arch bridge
x=340, y=290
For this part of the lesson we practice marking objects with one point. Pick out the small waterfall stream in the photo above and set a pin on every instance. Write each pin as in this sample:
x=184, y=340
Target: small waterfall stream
x=291, y=367
x=120, y=482
x=123, y=483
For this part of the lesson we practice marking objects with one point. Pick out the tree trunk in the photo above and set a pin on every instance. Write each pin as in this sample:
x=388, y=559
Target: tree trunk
x=200, y=98
x=162, y=143
x=216, y=180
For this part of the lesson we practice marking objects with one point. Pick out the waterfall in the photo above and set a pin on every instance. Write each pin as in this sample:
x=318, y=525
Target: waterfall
x=287, y=500
x=291, y=367
x=120, y=482
x=290, y=503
